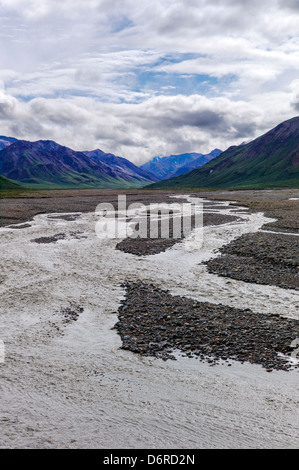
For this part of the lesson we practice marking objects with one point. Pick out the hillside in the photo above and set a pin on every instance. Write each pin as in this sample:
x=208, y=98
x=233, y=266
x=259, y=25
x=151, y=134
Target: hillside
x=46, y=164
x=121, y=165
x=270, y=161
x=7, y=184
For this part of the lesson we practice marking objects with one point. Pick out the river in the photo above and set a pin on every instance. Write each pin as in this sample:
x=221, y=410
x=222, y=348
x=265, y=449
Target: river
x=70, y=385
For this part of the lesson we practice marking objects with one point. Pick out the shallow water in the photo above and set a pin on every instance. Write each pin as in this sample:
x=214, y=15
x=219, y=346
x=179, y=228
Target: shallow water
x=71, y=386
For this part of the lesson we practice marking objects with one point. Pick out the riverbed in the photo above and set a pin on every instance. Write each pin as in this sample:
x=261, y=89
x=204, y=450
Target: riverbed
x=66, y=382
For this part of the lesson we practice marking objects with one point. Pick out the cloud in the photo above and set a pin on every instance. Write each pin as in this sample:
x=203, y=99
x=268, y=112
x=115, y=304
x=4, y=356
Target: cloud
x=291, y=4
x=296, y=104
x=295, y=95
x=159, y=125
x=145, y=78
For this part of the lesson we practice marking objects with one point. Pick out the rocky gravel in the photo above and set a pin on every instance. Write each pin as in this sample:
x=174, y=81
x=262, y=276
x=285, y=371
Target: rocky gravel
x=76, y=234
x=50, y=239
x=151, y=246
x=152, y=322
x=279, y=204
x=15, y=210
x=71, y=312
x=66, y=315
x=263, y=258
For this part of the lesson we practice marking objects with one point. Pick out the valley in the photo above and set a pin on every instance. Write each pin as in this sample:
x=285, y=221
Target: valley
x=96, y=336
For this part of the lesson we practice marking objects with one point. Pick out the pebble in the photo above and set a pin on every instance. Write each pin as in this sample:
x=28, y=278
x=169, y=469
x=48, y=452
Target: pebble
x=262, y=258
x=152, y=322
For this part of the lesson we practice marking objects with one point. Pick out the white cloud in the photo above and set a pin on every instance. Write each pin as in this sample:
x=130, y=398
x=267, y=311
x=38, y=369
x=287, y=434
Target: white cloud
x=158, y=125
x=96, y=73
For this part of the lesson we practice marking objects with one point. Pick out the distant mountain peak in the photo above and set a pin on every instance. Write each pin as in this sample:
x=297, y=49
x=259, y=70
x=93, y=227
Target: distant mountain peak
x=269, y=161
x=121, y=164
x=6, y=141
x=173, y=165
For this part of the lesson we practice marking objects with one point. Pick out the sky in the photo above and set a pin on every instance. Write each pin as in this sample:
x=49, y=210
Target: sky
x=147, y=78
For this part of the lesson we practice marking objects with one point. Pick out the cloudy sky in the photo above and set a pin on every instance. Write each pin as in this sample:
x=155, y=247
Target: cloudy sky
x=146, y=78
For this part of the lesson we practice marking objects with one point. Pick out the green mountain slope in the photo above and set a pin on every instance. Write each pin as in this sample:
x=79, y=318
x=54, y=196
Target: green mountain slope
x=46, y=164
x=8, y=184
x=270, y=161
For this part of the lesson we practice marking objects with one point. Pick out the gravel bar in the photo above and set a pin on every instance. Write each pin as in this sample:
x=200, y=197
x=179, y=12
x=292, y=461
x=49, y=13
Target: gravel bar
x=152, y=322
x=263, y=258
x=152, y=246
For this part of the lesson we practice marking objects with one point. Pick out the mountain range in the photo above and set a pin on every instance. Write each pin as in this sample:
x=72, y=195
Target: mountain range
x=175, y=165
x=120, y=164
x=269, y=161
x=46, y=164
